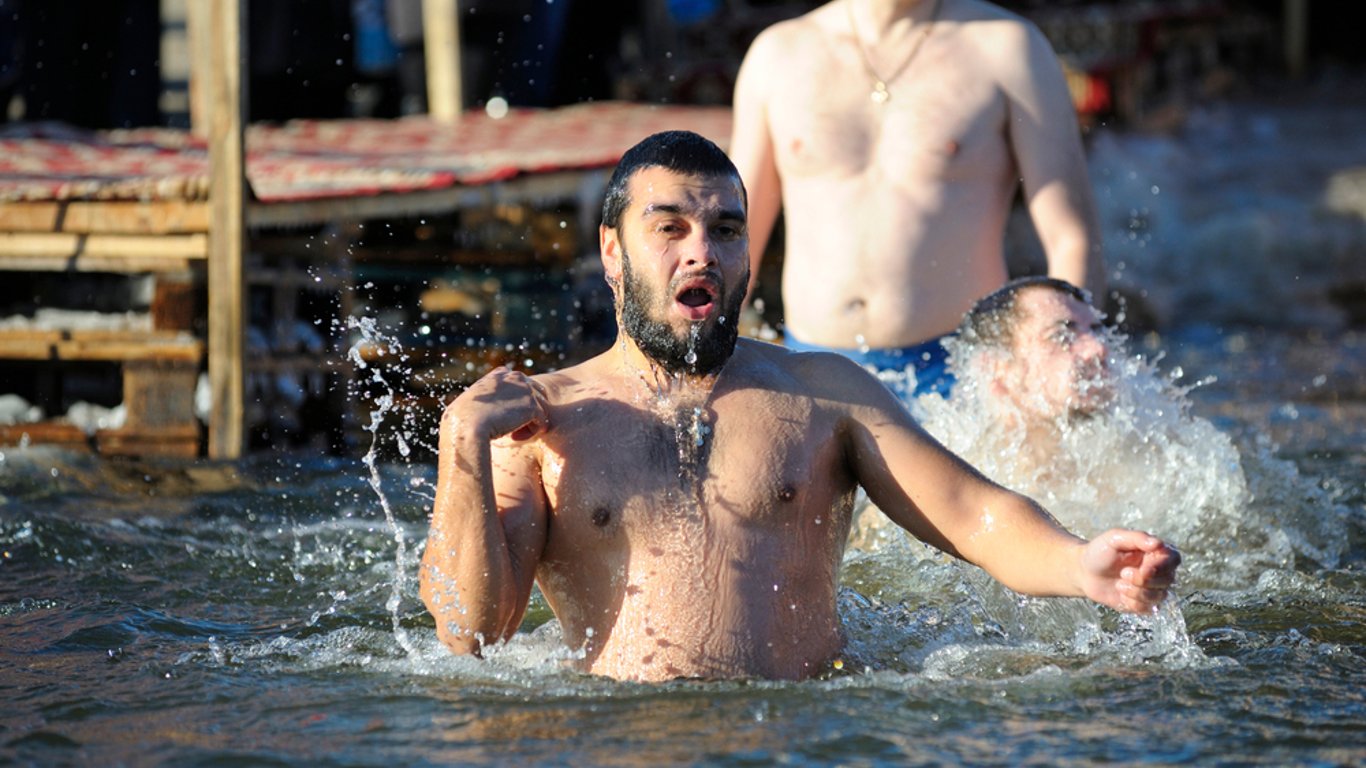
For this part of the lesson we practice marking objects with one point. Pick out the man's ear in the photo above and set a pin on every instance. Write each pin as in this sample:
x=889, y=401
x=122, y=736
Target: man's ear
x=609, y=244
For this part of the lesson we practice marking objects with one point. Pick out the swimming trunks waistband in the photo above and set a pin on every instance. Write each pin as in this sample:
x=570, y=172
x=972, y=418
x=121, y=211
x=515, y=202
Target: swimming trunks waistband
x=909, y=371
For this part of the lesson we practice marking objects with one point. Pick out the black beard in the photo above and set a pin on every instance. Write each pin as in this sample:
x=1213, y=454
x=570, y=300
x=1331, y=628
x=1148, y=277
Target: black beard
x=656, y=338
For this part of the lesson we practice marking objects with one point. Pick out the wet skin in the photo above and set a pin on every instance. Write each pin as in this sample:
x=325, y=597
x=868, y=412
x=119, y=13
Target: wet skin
x=664, y=555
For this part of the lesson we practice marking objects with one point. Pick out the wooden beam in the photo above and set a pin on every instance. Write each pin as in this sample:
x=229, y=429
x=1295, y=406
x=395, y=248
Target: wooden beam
x=441, y=49
x=153, y=217
x=60, y=252
x=199, y=18
x=227, y=201
x=1296, y=36
x=100, y=346
x=537, y=188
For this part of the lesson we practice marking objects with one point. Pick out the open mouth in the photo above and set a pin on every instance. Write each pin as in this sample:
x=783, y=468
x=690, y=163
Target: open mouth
x=696, y=298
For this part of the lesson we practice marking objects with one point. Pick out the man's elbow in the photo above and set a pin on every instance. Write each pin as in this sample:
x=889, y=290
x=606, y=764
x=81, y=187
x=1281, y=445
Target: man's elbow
x=460, y=641
x=458, y=638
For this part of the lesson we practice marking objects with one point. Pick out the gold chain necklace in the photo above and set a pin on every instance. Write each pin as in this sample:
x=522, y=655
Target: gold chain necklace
x=880, y=94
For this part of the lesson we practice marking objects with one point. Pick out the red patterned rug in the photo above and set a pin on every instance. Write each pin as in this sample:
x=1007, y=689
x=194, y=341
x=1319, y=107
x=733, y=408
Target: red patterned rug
x=310, y=160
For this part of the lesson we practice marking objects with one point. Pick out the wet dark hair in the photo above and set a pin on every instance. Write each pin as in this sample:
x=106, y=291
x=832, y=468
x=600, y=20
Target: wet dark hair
x=679, y=151
x=991, y=319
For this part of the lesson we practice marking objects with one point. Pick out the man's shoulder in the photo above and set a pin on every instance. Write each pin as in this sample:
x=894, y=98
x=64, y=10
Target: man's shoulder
x=813, y=373
x=991, y=25
x=792, y=37
x=563, y=382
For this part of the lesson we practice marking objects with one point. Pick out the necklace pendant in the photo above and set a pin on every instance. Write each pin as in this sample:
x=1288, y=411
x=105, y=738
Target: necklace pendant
x=880, y=94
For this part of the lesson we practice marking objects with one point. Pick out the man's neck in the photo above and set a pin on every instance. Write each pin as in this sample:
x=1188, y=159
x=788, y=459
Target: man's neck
x=674, y=388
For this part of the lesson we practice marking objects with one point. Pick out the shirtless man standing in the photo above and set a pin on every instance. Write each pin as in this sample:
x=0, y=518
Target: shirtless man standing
x=683, y=499
x=908, y=124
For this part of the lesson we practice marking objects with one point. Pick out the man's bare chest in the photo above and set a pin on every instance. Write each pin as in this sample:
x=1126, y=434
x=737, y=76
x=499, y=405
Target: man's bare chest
x=734, y=462
x=927, y=128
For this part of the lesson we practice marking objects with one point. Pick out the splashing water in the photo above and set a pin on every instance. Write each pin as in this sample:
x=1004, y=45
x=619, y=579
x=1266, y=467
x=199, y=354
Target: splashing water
x=369, y=333
x=1143, y=462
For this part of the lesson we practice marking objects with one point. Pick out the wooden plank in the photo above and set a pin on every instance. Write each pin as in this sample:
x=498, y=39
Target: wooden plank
x=59, y=433
x=159, y=394
x=199, y=18
x=99, y=345
x=176, y=304
x=95, y=264
x=123, y=217
x=180, y=441
x=538, y=189
x=227, y=200
x=1296, y=35
x=441, y=49
x=60, y=252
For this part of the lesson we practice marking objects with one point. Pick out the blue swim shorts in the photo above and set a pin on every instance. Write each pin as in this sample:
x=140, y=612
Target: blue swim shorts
x=909, y=371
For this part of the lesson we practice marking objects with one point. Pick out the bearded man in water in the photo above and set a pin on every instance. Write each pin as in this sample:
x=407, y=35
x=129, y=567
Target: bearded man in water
x=683, y=499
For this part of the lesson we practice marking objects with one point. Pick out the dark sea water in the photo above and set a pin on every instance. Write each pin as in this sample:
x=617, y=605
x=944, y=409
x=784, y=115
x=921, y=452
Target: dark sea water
x=265, y=612
x=183, y=614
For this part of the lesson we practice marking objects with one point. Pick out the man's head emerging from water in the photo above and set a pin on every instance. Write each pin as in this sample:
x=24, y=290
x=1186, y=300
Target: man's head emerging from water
x=1047, y=344
x=675, y=250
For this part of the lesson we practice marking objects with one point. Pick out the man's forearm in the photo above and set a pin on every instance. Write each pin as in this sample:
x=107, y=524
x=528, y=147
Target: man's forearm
x=1025, y=549
x=467, y=579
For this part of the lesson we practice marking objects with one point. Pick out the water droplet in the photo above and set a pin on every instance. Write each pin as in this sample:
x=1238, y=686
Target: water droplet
x=496, y=108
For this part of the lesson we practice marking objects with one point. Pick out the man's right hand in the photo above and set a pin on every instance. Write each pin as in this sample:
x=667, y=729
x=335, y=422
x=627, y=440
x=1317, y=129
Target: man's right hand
x=501, y=403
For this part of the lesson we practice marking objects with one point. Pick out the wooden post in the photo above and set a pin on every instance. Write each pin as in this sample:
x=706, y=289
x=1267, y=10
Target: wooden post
x=441, y=49
x=1296, y=36
x=227, y=199
x=198, y=26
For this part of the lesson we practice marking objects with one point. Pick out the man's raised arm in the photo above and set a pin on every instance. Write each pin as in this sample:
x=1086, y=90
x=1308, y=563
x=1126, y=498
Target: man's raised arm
x=926, y=489
x=489, y=516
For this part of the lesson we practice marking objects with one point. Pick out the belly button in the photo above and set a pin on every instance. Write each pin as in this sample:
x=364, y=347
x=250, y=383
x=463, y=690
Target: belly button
x=601, y=517
x=855, y=305
x=787, y=493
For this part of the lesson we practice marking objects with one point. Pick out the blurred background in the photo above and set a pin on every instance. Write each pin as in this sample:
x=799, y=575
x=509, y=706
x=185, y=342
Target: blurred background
x=124, y=63
x=1226, y=141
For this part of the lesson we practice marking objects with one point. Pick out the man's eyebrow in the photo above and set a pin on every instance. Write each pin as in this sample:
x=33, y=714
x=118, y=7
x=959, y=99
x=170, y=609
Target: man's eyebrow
x=1062, y=324
x=654, y=208
x=729, y=214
